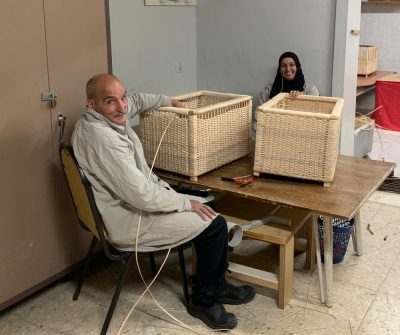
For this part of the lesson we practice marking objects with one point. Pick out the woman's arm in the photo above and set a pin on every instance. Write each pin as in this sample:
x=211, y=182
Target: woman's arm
x=310, y=89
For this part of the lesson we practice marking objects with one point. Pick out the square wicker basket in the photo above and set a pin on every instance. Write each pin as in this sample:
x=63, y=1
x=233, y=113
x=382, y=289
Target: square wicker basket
x=212, y=130
x=367, y=59
x=298, y=137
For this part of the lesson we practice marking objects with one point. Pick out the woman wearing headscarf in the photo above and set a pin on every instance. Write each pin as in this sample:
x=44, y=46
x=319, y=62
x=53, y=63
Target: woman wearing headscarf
x=289, y=78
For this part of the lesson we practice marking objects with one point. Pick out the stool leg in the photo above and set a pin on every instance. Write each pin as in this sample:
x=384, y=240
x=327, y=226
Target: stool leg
x=318, y=256
x=357, y=235
x=285, y=282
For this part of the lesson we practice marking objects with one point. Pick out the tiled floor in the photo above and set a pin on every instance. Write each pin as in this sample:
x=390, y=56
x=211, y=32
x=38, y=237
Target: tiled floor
x=366, y=294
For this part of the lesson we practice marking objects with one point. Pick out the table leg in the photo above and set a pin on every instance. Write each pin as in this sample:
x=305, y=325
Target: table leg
x=328, y=258
x=357, y=235
x=314, y=228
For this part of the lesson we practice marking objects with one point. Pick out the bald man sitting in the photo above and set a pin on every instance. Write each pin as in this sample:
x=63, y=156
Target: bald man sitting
x=110, y=153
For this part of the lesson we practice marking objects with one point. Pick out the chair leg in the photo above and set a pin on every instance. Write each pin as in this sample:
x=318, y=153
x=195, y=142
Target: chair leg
x=85, y=268
x=117, y=292
x=183, y=273
x=152, y=264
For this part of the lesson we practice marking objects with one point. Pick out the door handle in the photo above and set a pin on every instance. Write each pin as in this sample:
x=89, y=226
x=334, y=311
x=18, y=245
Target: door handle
x=61, y=121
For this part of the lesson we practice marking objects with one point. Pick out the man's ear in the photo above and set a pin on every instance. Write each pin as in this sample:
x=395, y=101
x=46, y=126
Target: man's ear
x=90, y=103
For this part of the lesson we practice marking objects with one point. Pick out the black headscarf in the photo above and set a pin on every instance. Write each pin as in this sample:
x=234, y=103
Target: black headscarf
x=283, y=85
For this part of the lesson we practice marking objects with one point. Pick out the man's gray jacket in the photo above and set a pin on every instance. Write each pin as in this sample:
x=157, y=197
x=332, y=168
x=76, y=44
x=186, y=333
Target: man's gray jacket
x=125, y=190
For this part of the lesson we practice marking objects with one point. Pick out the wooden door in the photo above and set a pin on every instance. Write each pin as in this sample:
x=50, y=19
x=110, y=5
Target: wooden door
x=76, y=50
x=47, y=45
x=29, y=236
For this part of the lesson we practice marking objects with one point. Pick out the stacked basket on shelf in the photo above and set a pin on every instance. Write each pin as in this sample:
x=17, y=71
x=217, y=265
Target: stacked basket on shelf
x=298, y=137
x=367, y=59
x=212, y=130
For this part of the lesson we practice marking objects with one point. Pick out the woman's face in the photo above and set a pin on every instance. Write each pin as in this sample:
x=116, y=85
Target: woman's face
x=288, y=68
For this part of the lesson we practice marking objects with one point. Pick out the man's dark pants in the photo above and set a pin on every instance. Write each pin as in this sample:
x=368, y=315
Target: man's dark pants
x=212, y=261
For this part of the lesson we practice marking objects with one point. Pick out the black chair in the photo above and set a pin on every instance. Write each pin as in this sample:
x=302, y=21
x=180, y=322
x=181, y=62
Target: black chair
x=90, y=220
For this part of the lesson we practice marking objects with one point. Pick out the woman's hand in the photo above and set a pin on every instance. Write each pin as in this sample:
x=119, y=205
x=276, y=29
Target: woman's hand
x=294, y=94
x=203, y=210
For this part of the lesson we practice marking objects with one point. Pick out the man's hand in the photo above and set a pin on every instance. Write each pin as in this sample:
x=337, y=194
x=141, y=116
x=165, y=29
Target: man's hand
x=203, y=210
x=177, y=103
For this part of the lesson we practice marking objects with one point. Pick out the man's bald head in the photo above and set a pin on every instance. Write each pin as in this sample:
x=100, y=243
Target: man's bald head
x=97, y=82
x=106, y=95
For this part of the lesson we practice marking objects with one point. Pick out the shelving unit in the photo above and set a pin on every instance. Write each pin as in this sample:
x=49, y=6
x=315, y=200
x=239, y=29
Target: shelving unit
x=363, y=135
x=366, y=84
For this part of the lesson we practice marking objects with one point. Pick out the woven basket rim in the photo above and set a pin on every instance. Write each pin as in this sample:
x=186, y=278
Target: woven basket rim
x=236, y=98
x=335, y=114
x=204, y=92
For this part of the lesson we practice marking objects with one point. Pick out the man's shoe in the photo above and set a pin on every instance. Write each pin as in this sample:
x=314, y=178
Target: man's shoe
x=215, y=316
x=236, y=295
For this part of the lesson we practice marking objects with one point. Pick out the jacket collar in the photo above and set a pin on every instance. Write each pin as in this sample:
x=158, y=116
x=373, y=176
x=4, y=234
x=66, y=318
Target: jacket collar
x=92, y=116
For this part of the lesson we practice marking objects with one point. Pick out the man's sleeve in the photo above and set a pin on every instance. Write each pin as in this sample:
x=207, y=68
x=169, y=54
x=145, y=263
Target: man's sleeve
x=116, y=168
x=141, y=102
x=264, y=94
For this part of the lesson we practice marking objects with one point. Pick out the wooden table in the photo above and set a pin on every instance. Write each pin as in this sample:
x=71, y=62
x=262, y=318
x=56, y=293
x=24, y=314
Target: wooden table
x=354, y=182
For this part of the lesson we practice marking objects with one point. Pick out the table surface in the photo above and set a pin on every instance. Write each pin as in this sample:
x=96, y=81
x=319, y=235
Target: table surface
x=354, y=182
x=372, y=78
x=390, y=77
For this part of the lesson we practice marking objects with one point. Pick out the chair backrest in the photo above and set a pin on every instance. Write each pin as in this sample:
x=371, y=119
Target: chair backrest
x=81, y=191
x=86, y=210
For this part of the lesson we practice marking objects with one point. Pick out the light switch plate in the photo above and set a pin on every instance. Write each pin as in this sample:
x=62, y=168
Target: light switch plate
x=170, y=2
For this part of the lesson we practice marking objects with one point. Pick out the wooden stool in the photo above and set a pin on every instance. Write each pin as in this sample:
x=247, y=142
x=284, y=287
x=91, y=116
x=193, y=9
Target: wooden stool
x=241, y=211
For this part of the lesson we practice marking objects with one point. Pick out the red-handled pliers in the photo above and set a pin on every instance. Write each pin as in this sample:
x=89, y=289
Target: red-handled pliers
x=242, y=181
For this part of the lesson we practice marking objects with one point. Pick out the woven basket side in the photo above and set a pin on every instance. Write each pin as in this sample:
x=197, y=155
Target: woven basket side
x=296, y=146
x=223, y=135
x=196, y=143
x=298, y=137
x=174, y=151
x=367, y=59
x=368, y=53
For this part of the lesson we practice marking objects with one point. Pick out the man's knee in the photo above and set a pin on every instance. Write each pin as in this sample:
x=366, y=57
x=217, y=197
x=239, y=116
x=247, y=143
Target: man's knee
x=217, y=229
x=220, y=221
x=219, y=226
